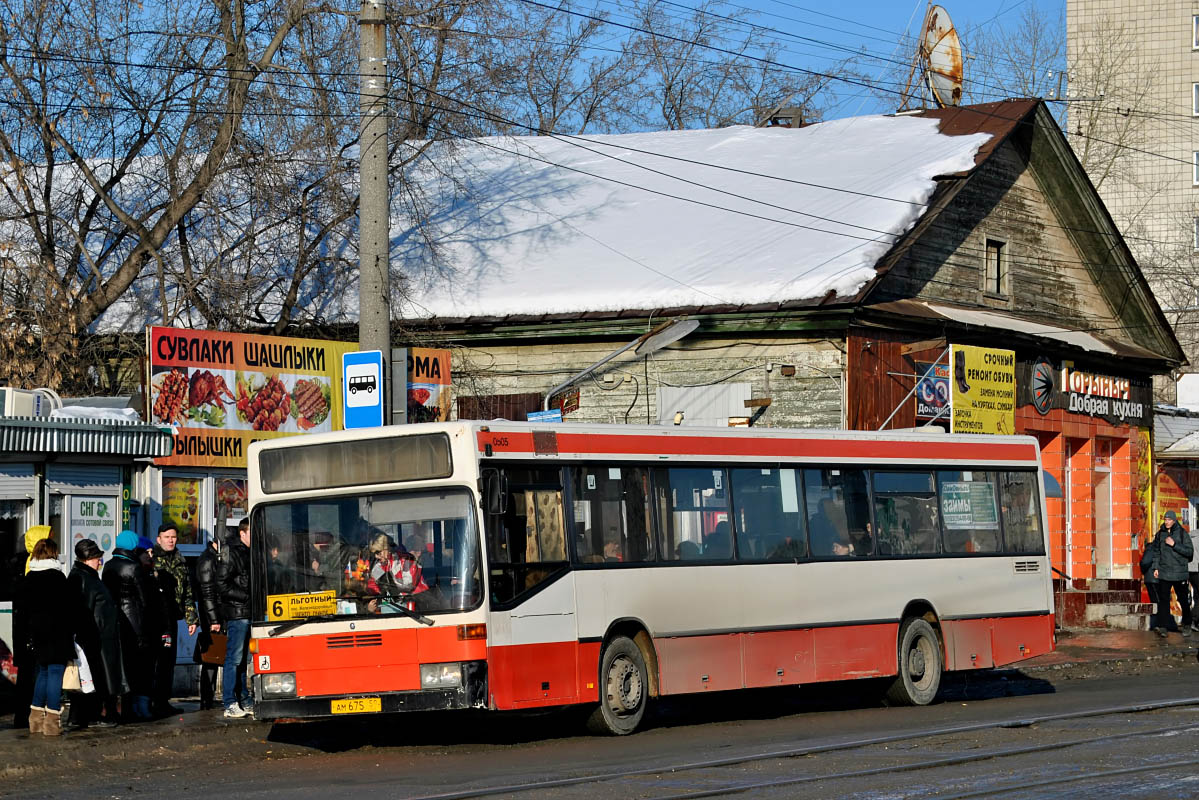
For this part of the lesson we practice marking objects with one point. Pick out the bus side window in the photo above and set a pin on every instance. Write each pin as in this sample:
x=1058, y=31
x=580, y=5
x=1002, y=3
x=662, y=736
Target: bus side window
x=969, y=511
x=610, y=514
x=527, y=543
x=769, y=515
x=905, y=511
x=1021, y=505
x=693, y=511
x=838, y=512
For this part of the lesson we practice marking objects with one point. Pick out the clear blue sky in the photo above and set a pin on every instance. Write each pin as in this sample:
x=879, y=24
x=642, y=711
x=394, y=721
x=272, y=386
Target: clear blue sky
x=817, y=34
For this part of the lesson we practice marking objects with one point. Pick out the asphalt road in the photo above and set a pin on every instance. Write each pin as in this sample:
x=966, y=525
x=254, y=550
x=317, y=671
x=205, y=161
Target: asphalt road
x=828, y=741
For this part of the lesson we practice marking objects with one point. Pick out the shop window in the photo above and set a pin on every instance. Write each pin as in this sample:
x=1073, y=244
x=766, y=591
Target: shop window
x=694, y=510
x=905, y=510
x=768, y=514
x=95, y=517
x=13, y=523
x=181, y=498
x=611, y=514
x=231, y=504
x=838, y=512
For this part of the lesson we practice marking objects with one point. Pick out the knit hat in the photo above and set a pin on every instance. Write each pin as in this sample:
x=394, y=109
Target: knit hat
x=1172, y=515
x=126, y=540
x=144, y=543
x=86, y=549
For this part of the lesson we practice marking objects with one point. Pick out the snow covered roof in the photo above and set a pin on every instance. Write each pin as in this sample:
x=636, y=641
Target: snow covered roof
x=546, y=225
x=1185, y=448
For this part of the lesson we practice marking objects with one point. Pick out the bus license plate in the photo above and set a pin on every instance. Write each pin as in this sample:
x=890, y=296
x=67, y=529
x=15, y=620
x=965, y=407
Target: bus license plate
x=357, y=705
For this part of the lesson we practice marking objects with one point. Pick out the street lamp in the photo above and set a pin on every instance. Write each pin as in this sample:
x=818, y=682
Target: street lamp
x=652, y=342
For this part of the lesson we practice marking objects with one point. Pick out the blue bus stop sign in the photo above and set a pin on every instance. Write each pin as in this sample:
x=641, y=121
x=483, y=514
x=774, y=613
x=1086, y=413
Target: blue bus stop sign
x=362, y=389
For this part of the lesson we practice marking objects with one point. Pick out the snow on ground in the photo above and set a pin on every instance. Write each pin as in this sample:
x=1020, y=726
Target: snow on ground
x=538, y=225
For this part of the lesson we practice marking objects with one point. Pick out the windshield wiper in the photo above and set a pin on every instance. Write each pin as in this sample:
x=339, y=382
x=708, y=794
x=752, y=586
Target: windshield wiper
x=403, y=609
x=284, y=627
x=292, y=624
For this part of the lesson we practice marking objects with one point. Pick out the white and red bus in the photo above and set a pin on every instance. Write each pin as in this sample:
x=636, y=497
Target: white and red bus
x=511, y=565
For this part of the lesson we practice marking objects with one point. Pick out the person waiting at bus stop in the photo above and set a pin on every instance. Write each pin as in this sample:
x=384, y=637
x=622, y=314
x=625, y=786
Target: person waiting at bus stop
x=233, y=584
x=170, y=570
x=1171, y=553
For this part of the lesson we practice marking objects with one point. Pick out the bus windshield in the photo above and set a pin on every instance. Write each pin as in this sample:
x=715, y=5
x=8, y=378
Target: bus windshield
x=369, y=554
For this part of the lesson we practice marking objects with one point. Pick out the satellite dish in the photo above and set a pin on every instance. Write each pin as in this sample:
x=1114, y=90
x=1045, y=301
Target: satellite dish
x=941, y=51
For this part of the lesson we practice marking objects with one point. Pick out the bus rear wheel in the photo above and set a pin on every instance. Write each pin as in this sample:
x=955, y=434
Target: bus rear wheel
x=919, y=665
x=624, y=689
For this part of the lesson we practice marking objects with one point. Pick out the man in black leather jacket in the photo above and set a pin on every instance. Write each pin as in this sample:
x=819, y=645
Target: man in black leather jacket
x=123, y=578
x=210, y=617
x=233, y=583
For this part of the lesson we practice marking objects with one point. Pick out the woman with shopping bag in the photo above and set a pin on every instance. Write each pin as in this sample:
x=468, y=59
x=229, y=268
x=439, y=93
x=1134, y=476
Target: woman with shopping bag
x=98, y=635
x=45, y=602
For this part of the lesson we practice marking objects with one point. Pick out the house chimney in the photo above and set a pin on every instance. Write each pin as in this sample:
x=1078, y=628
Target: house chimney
x=789, y=117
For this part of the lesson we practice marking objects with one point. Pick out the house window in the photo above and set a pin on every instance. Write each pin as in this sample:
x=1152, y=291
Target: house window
x=1195, y=31
x=1195, y=174
x=1195, y=99
x=996, y=277
x=1196, y=244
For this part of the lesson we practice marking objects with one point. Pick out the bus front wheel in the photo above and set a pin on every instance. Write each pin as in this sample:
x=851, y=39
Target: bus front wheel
x=624, y=689
x=919, y=665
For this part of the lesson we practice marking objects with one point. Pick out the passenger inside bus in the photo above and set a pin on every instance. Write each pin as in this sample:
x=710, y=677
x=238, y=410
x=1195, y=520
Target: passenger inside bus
x=719, y=544
x=393, y=572
x=828, y=531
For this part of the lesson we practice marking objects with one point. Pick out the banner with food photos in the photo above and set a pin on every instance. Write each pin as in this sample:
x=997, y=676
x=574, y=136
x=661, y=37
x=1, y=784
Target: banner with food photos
x=222, y=391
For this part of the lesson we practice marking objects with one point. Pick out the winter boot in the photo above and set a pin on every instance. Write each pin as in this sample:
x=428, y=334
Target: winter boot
x=37, y=720
x=53, y=724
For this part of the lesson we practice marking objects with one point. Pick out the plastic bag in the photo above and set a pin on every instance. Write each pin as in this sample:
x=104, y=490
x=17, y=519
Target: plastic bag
x=86, y=684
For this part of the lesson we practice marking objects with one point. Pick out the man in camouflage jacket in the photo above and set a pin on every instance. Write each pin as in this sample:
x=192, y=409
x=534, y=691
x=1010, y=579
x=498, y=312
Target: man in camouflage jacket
x=175, y=584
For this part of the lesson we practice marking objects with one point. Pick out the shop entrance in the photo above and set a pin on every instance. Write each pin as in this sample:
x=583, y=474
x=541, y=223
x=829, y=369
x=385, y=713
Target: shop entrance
x=1103, y=522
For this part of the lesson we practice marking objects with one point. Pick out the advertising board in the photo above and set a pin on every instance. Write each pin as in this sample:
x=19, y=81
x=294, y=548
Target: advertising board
x=222, y=391
x=982, y=389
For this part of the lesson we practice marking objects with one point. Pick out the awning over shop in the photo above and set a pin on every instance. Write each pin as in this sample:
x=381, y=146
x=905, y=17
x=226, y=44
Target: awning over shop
x=1009, y=326
x=109, y=437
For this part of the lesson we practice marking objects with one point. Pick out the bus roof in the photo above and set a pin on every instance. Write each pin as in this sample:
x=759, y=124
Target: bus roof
x=503, y=439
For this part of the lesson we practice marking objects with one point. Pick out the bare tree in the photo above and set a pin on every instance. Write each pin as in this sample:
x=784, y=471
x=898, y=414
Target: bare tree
x=714, y=68
x=1024, y=59
x=192, y=163
x=117, y=120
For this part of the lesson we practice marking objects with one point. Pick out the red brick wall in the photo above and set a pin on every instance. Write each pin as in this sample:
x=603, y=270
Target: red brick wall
x=1085, y=436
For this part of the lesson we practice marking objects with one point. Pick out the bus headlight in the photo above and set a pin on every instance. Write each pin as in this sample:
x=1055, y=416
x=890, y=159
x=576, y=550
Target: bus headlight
x=440, y=676
x=279, y=684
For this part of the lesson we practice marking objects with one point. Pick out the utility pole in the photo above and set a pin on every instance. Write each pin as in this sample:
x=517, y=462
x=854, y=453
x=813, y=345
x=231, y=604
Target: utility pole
x=374, y=284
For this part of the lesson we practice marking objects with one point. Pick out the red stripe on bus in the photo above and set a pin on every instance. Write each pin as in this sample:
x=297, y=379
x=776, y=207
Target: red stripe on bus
x=982, y=643
x=354, y=662
x=760, y=446
x=531, y=675
x=691, y=664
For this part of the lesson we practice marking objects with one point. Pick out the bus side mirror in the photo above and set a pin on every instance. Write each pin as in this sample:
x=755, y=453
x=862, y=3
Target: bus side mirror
x=495, y=492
